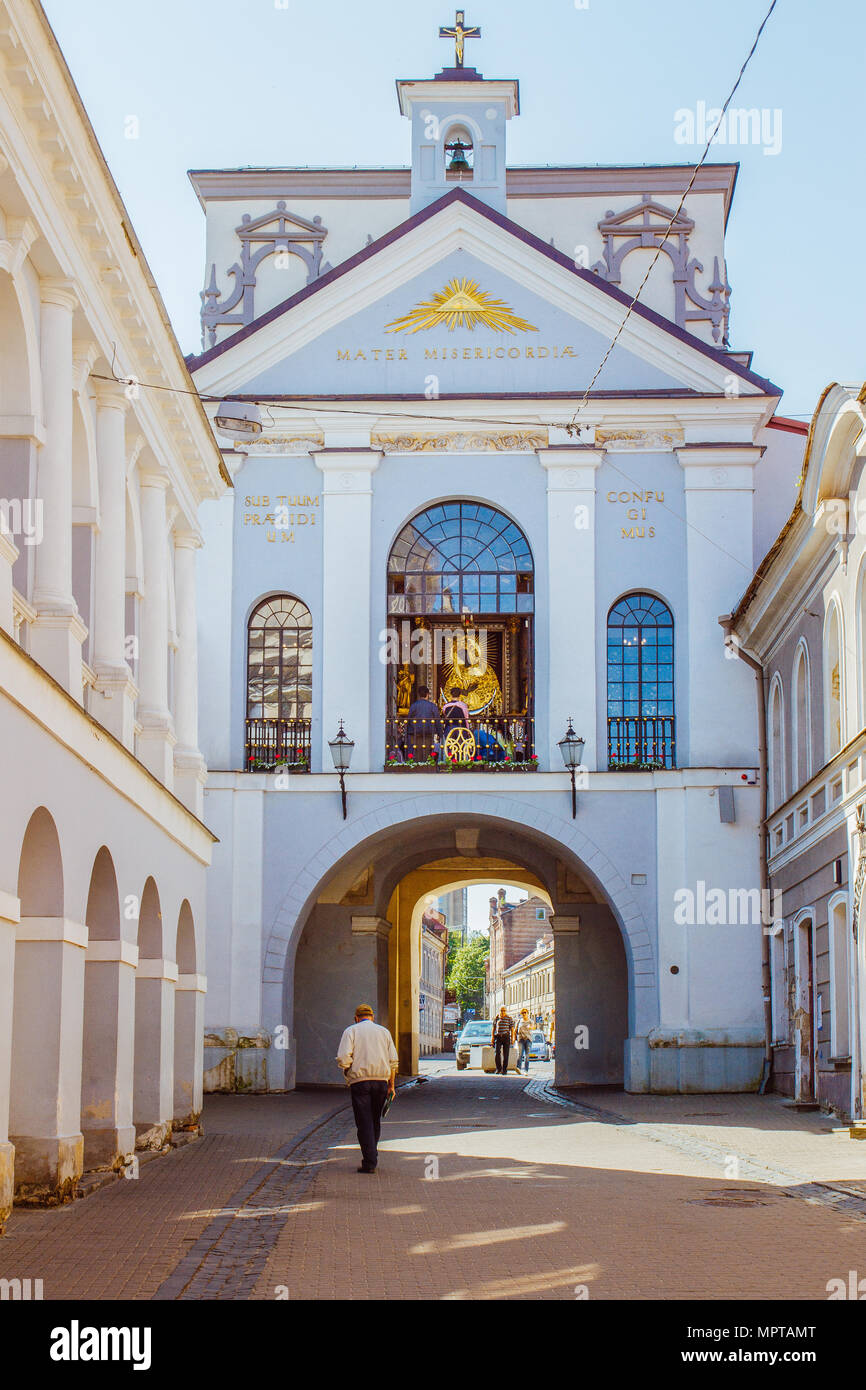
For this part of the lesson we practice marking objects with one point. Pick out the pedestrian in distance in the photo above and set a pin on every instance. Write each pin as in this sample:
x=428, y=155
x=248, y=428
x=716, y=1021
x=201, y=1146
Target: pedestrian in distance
x=501, y=1039
x=368, y=1059
x=524, y=1040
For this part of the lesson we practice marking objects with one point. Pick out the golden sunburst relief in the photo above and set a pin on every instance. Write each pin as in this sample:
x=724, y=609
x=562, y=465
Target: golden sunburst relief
x=461, y=305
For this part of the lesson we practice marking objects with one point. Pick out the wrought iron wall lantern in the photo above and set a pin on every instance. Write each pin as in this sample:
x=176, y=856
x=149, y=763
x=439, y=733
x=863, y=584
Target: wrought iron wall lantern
x=341, y=751
x=571, y=747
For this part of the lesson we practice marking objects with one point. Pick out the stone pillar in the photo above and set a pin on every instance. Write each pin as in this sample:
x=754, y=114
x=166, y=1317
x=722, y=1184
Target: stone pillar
x=591, y=983
x=188, y=1048
x=189, y=767
x=153, y=1093
x=370, y=943
x=571, y=617
x=58, y=632
x=108, y=1053
x=720, y=716
x=8, y=556
x=47, y=1031
x=156, y=739
x=116, y=710
x=346, y=640
x=9, y=918
x=673, y=873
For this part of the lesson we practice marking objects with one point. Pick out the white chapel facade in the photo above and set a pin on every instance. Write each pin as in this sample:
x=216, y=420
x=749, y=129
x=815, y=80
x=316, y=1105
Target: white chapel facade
x=418, y=511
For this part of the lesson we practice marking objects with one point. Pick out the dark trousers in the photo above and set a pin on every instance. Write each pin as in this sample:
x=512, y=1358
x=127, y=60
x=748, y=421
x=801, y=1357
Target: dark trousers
x=502, y=1049
x=368, y=1097
x=523, y=1054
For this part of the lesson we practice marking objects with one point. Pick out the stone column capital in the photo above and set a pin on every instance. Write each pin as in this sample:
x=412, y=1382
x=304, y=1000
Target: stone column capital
x=110, y=395
x=63, y=294
x=155, y=478
x=186, y=539
x=570, y=467
x=84, y=354
x=347, y=471
x=718, y=455
x=370, y=926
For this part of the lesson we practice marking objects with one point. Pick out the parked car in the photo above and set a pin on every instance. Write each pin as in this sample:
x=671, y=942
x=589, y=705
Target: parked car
x=539, y=1048
x=477, y=1032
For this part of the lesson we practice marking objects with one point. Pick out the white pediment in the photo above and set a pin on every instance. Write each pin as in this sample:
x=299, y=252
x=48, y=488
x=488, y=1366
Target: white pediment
x=360, y=302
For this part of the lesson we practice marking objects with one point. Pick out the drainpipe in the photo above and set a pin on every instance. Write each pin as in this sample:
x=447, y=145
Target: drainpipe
x=761, y=691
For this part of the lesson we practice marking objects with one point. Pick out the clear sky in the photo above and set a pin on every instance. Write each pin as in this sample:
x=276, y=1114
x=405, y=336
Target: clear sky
x=223, y=83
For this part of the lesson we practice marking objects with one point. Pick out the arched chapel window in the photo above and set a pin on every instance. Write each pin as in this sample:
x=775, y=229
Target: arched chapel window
x=640, y=683
x=460, y=617
x=279, y=683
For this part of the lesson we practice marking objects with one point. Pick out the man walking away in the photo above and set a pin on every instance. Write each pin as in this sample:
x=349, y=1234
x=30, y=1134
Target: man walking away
x=368, y=1059
x=503, y=1037
x=524, y=1040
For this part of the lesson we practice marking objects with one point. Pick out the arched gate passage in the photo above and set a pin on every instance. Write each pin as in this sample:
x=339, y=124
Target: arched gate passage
x=340, y=947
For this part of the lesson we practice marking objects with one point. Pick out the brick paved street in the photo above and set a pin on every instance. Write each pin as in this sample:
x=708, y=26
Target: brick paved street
x=485, y=1190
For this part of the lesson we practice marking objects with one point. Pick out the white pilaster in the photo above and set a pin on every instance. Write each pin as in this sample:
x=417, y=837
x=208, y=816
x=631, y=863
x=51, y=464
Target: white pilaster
x=189, y=767
x=672, y=876
x=156, y=739
x=8, y=556
x=571, y=676
x=9, y=918
x=347, y=639
x=153, y=1094
x=188, y=1047
x=116, y=708
x=58, y=632
x=48, y=1019
x=108, y=1052
x=719, y=485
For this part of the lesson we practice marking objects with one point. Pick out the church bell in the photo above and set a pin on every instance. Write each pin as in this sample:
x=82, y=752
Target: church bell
x=459, y=163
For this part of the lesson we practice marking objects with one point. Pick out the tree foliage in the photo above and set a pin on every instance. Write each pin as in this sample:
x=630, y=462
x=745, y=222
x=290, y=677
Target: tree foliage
x=466, y=973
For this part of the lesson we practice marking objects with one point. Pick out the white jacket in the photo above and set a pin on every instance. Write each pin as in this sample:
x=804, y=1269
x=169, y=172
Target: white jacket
x=367, y=1052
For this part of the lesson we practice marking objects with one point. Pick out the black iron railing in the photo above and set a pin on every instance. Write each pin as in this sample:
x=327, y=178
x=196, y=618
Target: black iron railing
x=276, y=743
x=503, y=740
x=640, y=742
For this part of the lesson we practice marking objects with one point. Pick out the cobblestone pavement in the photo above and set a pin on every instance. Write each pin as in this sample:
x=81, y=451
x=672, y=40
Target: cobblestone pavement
x=485, y=1190
x=125, y=1240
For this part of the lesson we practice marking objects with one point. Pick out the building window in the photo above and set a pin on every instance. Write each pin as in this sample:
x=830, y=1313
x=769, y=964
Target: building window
x=801, y=714
x=541, y=914
x=640, y=683
x=834, y=684
x=279, y=683
x=840, y=978
x=777, y=745
x=465, y=570
x=778, y=987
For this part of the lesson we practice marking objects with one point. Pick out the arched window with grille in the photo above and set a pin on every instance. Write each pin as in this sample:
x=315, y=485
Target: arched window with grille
x=279, y=684
x=640, y=683
x=460, y=617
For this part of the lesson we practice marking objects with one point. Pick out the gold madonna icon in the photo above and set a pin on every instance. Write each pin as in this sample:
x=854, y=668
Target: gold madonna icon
x=461, y=305
x=460, y=745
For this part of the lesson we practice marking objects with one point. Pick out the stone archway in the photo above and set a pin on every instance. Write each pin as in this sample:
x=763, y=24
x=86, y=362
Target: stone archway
x=387, y=837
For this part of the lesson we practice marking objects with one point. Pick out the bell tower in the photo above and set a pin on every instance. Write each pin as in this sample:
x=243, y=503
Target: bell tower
x=458, y=127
